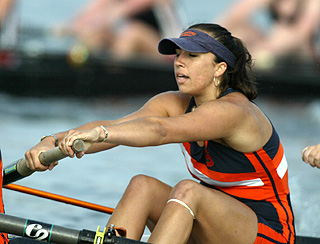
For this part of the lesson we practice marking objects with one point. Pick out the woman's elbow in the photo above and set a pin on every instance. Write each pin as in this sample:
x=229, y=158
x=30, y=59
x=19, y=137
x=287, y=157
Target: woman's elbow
x=159, y=130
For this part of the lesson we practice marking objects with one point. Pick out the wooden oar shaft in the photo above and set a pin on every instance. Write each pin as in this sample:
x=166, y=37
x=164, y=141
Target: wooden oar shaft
x=19, y=168
x=59, y=198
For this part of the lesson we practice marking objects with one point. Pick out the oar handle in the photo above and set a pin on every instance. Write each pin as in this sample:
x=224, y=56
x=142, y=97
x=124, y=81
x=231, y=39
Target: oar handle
x=55, y=154
x=49, y=157
x=19, y=168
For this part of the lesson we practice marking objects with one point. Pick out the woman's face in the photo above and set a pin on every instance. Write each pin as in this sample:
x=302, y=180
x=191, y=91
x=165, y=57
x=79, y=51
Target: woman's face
x=194, y=72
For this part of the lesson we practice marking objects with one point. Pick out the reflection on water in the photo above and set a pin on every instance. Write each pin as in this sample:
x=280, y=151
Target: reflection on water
x=101, y=178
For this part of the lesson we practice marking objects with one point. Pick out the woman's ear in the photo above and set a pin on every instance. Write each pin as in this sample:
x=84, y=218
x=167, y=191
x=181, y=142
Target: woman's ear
x=221, y=68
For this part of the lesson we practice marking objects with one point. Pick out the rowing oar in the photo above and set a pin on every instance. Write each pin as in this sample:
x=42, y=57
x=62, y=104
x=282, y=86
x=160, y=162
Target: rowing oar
x=19, y=169
x=59, y=198
x=56, y=234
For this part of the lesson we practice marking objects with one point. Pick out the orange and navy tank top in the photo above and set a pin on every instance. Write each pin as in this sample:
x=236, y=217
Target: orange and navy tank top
x=259, y=179
x=3, y=236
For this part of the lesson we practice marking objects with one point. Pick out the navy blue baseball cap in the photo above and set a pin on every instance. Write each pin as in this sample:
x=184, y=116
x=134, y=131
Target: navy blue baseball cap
x=197, y=41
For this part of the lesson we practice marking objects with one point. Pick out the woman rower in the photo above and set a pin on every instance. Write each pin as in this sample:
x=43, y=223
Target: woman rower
x=240, y=193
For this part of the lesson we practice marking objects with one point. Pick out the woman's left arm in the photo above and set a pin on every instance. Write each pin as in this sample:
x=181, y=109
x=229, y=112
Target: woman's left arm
x=210, y=121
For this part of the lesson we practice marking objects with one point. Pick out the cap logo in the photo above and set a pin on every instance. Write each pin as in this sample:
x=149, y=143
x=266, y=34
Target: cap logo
x=188, y=33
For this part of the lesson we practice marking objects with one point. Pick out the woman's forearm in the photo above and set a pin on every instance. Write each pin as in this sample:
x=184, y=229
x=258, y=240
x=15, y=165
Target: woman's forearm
x=96, y=147
x=148, y=131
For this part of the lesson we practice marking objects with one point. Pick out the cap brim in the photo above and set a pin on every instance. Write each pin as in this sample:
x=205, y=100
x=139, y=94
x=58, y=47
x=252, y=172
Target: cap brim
x=168, y=46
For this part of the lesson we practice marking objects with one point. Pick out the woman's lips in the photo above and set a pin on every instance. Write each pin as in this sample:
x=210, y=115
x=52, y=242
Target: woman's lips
x=181, y=78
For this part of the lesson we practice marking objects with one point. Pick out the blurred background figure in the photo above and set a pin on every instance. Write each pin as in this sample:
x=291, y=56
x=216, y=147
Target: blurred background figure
x=291, y=27
x=8, y=24
x=125, y=28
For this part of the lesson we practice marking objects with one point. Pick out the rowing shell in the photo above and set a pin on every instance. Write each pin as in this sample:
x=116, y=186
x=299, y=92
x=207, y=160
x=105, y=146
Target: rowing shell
x=39, y=232
x=300, y=240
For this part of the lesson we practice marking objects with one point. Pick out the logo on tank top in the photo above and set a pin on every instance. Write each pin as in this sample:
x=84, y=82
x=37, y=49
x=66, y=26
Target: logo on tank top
x=209, y=161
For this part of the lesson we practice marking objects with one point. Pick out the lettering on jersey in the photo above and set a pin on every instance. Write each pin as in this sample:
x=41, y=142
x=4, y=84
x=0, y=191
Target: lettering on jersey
x=37, y=231
x=209, y=161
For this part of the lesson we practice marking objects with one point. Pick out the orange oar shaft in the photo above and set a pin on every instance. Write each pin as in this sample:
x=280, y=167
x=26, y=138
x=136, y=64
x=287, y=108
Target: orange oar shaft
x=59, y=198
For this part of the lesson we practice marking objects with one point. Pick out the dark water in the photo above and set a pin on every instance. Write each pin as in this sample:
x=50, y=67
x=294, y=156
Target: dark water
x=101, y=178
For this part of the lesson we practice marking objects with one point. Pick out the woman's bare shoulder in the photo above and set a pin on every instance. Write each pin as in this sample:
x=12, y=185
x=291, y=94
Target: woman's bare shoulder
x=172, y=102
x=175, y=95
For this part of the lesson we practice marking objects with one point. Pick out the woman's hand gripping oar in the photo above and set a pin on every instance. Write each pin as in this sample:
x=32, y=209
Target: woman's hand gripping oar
x=19, y=169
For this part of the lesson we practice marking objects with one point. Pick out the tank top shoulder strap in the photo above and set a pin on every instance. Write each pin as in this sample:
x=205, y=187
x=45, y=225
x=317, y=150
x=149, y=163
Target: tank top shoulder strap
x=228, y=91
x=191, y=105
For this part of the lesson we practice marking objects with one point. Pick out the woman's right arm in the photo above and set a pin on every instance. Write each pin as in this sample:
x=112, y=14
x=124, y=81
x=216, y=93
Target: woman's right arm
x=162, y=105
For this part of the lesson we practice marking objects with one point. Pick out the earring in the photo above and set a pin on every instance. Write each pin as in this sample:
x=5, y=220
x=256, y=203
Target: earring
x=214, y=82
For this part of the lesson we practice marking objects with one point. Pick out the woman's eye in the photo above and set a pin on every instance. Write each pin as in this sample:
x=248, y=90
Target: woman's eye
x=193, y=55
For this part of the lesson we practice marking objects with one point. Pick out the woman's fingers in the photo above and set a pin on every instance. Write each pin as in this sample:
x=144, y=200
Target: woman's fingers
x=88, y=136
x=311, y=155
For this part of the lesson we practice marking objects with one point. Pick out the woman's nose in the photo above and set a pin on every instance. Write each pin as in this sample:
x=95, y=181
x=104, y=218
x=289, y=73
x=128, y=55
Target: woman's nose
x=179, y=61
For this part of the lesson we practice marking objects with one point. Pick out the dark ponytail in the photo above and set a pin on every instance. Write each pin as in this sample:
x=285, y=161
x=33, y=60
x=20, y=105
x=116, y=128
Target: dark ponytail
x=241, y=76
